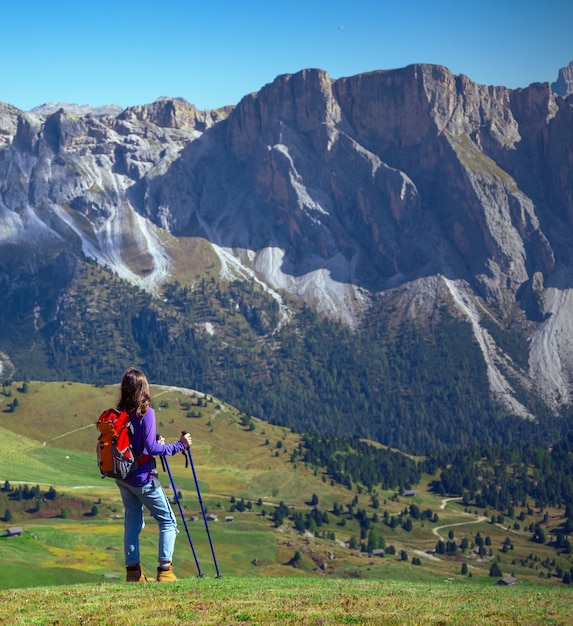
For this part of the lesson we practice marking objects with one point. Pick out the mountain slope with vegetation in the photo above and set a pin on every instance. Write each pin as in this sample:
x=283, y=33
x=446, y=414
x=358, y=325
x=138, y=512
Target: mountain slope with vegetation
x=419, y=388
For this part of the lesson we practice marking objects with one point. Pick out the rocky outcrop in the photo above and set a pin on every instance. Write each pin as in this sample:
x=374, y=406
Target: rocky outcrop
x=335, y=191
x=563, y=86
x=174, y=113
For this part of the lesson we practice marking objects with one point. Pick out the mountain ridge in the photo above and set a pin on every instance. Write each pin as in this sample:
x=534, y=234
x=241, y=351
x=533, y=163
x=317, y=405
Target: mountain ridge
x=413, y=185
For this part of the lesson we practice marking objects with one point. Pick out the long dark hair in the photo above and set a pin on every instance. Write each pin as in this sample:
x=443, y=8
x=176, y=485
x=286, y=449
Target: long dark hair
x=135, y=392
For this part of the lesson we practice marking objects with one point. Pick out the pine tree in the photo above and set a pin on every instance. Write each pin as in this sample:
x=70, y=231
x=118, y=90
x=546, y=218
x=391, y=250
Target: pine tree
x=495, y=571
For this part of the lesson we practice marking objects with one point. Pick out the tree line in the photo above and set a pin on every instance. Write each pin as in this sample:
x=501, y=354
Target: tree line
x=349, y=461
x=504, y=478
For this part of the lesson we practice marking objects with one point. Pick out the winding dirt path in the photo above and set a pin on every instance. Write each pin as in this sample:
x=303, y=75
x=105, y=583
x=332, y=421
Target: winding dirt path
x=75, y=430
x=445, y=501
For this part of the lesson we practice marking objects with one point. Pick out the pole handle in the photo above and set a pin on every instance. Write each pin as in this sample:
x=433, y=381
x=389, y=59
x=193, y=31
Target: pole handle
x=186, y=452
x=162, y=457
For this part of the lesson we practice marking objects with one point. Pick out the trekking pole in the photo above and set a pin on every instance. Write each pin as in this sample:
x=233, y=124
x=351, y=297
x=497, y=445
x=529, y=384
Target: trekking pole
x=187, y=453
x=165, y=466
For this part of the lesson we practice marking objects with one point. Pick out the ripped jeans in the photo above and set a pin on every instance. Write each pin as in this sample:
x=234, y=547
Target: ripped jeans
x=153, y=497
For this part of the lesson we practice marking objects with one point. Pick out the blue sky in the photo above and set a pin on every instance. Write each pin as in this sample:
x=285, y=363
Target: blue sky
x=213, y=53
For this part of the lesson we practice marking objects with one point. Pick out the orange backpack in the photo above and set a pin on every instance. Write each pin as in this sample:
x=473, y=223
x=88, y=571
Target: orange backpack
x=115, y=454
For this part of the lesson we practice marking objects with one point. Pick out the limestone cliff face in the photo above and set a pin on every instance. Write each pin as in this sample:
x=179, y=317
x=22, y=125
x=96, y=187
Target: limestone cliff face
x=390, y=182
x=372, y=171
x=70, y=181
x=563, y=86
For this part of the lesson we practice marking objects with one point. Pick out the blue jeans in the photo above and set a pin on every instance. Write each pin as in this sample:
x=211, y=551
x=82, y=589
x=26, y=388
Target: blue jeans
x=153, y=497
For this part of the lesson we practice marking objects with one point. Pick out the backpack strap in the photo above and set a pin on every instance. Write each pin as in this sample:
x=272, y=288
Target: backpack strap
x=143, y=458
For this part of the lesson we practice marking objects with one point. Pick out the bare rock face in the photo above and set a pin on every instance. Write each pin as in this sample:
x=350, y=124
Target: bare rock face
x=70, y=179
x=563, y=86
x=371, y=171
x=413, y=183
x=174, y=113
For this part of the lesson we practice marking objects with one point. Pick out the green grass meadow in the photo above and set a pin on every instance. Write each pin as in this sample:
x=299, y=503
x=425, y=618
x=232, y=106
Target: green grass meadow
x=242, y=600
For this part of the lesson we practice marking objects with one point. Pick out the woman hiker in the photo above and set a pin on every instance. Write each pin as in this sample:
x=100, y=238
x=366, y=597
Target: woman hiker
x=142, y=487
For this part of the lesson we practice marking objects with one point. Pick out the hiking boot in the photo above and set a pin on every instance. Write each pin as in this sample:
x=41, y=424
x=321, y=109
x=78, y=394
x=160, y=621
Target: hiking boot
x=166, y=575
x=136, y=575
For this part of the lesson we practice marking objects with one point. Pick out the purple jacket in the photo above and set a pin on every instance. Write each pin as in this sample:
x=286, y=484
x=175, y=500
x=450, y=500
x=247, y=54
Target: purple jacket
x=144, y=441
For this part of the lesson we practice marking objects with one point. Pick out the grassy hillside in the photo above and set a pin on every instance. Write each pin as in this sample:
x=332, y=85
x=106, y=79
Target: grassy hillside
x=72, y=519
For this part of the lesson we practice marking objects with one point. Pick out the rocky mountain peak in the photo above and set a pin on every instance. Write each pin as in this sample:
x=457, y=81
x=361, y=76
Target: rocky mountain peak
x=49, y=108
x=564, y=83
x=175, y=113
